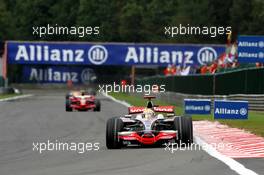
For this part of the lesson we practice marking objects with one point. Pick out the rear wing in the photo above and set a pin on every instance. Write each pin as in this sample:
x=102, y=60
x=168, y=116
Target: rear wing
x=165, y=109
x=135, y=109
x=149, y=97
x=140, y=109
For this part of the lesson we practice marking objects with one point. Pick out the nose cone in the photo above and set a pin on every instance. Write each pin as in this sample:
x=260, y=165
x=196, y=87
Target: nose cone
x=148, y=135
x=83, y=101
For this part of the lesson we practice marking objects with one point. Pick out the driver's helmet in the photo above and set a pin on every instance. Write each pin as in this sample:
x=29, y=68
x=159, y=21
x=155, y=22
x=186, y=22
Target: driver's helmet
x=82, y=92
x=148, y=113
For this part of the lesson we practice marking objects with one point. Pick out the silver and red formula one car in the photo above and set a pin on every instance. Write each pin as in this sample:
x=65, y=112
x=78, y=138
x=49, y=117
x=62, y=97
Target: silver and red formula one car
x=150, y=125
x=82, y=101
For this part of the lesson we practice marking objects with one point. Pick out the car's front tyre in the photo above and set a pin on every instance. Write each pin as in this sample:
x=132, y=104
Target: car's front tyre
x=68, y=106
x=183, y=125
x=113, y=126
x=97, y=105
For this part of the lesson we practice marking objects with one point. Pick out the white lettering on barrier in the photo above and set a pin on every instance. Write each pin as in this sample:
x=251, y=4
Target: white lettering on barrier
x=195, y=108
x=98, y=54
x=153, y=55
x=226, y=111
x=50, y=75
x=250, y=55
x=247, y=44
x=43, y=53
x=242, y=111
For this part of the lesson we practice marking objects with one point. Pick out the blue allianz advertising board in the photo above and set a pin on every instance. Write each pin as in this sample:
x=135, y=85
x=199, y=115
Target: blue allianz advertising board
x=57, y=74
x=197, y=106
x=230, y=109
x=63, y=53
x=251, y=49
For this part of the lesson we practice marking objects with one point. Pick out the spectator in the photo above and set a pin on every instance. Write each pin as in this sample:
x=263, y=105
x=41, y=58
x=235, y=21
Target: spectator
x=259, y=65
x=204, y=69
x=213, y=67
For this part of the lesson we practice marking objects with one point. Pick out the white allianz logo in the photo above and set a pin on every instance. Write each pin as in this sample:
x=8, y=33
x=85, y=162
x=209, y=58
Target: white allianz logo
x=247, y=44
x=155, y=55
x=241, y=111
x=198, y=108
x=51, y=75
x=206, y=55
x=32, y=53
x=97, y=54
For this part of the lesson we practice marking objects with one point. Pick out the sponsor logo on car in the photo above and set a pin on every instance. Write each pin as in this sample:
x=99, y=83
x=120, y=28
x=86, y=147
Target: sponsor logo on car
x=164, y=109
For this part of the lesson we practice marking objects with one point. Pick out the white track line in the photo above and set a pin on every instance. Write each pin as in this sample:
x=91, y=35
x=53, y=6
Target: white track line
x=16, y=97
x=231, y=163
x=115, y=100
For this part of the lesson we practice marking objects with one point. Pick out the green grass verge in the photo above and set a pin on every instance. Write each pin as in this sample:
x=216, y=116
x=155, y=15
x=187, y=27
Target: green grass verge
x=254, y=124
x=8, y=95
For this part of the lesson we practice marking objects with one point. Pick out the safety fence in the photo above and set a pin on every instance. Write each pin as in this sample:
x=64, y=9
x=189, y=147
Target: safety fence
x=244, y=81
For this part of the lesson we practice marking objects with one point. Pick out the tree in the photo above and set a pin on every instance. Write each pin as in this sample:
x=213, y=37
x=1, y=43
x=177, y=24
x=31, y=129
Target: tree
x=158, y=14
x=257, y=22
x=28, y=14
x=64, y=13
x=5, y=18
x=130, y=20
x=131, y=23
x=240, y=17
x=100, y=13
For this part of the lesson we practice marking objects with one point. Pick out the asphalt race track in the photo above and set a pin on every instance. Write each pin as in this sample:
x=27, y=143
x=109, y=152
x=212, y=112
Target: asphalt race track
x=43, y=117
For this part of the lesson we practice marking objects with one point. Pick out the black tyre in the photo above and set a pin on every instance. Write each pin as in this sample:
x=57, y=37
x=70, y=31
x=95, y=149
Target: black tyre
x=68, y=96
x=97, y=105
x=178, y=128
x=185, y=129
x=113, y=126
x=67, y=106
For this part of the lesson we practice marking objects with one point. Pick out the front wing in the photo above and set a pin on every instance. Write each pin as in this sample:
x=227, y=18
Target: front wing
x=83, y=107
x=147, y=138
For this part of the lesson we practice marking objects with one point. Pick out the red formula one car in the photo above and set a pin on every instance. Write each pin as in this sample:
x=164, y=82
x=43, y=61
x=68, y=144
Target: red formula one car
x=149, y=125
x=82, y=101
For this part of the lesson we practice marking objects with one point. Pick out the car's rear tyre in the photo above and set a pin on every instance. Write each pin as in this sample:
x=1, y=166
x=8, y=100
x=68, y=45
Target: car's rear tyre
x=67, y=106
x=113, y=126
x=184, y=127
x=97, y=105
